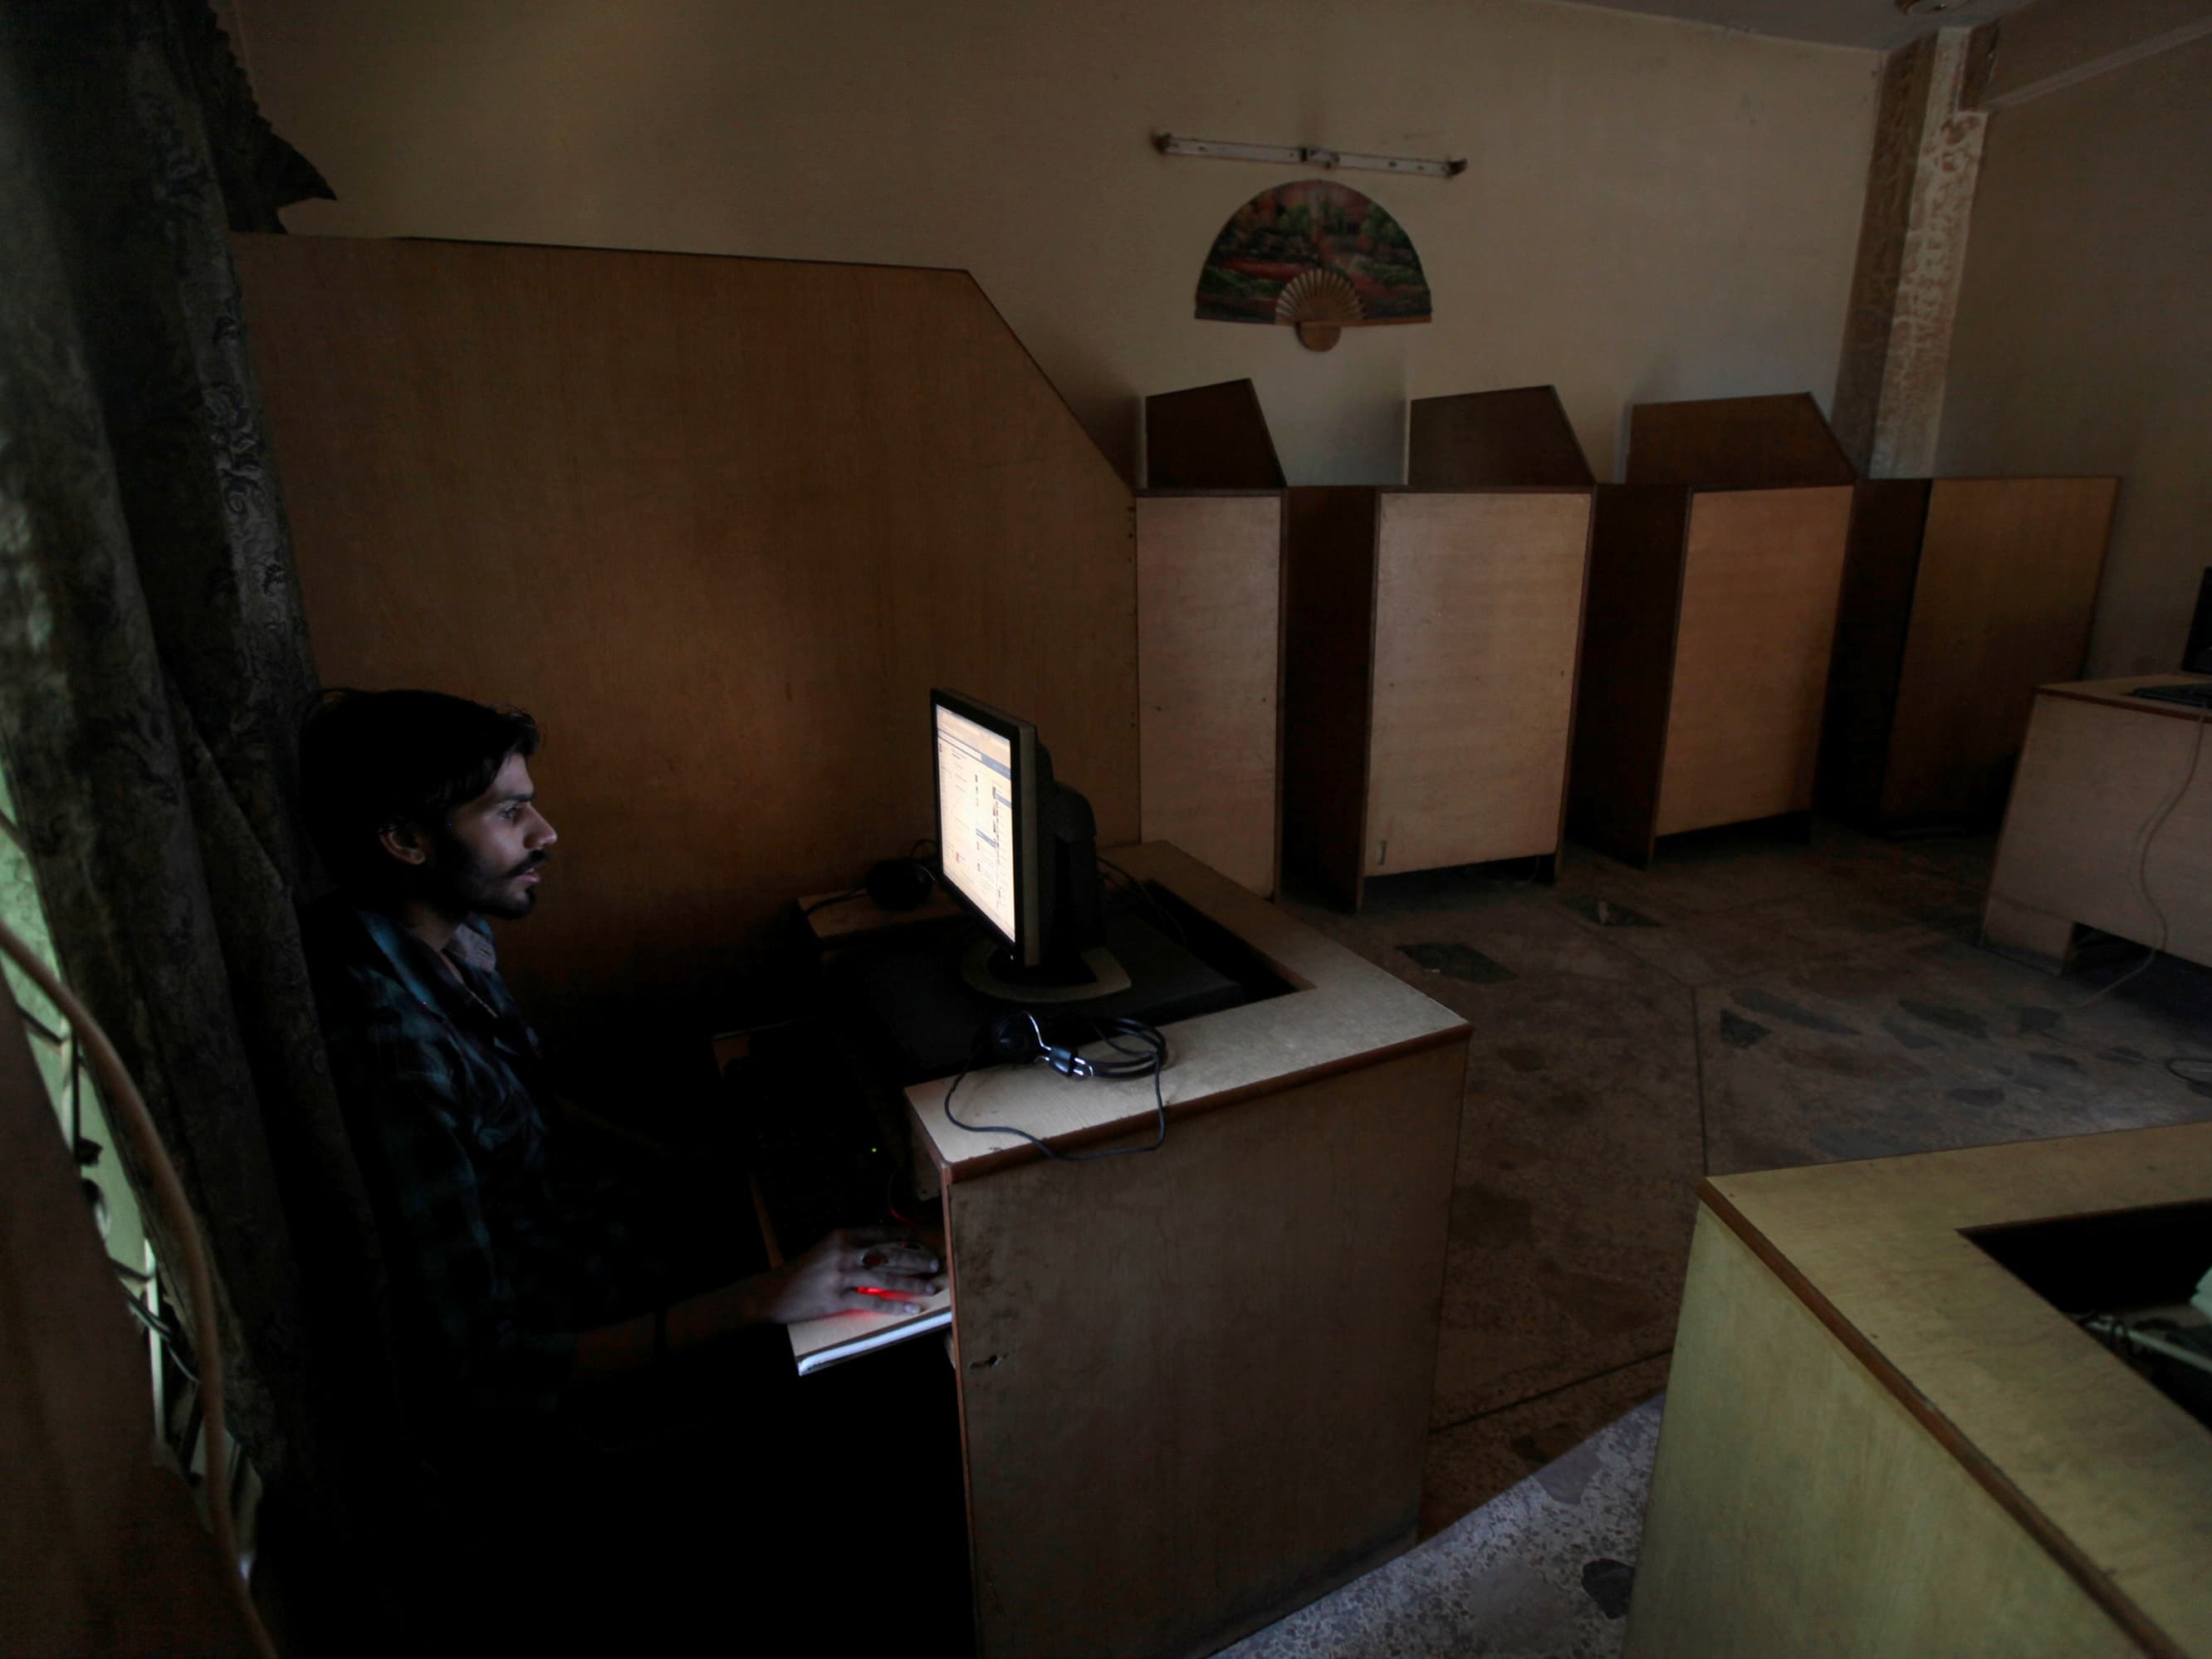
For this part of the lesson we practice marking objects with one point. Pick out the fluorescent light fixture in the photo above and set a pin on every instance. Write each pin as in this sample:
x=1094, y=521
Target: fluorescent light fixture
x=1305, y=155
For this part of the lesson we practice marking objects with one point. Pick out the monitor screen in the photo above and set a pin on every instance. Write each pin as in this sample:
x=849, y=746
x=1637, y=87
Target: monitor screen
x=976, y=817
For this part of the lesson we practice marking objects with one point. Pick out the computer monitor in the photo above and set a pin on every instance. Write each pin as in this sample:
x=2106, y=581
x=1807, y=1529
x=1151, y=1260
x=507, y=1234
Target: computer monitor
x=2197, y=655
x=986, y=816
x=1019, y=849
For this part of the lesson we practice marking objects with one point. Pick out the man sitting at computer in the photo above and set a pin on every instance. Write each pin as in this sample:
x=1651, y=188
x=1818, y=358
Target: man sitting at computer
x=524, y=1273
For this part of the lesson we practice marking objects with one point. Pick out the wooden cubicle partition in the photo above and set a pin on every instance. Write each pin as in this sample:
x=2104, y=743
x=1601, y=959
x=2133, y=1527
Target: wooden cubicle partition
x=720, y=524
x=1715, y=571
x=1494, y=440
x=1432, y=640
x=1960, y=596
x=1209, y=437
x=1428, y=650
x=1736, y=443
x=1705, y=659
x=1209, y=676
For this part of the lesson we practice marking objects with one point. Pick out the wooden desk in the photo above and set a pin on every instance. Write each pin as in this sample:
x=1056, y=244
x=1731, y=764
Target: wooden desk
x=1195, y=1384
x=1879, y=1442
x=2099, y=767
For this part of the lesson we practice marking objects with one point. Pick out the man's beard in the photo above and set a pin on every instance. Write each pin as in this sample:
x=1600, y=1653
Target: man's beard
x=460, y=883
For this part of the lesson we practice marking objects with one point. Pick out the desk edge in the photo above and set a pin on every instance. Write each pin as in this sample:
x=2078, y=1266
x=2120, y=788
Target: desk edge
x=2121, y=1607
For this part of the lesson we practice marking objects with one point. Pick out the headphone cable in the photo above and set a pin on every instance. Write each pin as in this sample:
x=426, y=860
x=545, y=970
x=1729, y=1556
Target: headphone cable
x=1152, y=1065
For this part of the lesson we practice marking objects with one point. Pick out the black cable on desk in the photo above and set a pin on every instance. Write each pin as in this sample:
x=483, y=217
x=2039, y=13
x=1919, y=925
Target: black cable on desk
x=1150, y=1064
x=1138, y=890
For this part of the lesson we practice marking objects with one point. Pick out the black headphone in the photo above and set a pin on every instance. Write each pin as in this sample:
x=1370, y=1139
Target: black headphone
x=1020, y=1039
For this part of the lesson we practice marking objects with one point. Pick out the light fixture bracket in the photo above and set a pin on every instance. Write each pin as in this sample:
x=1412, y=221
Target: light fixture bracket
x=1307, y=156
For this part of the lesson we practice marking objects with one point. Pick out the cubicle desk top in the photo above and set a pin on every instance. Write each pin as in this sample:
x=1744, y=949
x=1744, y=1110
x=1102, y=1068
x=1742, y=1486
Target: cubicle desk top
x=1345, y=1013
x=2110, y=1476
x=2113, y=694
x=842, y=921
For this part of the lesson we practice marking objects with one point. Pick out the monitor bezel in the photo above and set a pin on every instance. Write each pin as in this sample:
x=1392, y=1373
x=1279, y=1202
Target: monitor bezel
x=1027, y=939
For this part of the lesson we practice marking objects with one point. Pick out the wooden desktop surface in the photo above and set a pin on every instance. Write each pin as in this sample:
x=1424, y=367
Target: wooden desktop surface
x=2113, y=796
x=836, y=919
x=1346, y=1012
x=2114, y=694
x=2106, y=1474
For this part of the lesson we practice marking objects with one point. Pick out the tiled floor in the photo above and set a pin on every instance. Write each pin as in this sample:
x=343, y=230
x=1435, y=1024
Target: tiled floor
x=1748, y=1002
x=1544, y=1569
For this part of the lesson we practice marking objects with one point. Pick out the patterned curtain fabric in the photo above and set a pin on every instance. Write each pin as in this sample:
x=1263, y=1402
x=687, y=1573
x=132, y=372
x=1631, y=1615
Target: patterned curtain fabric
x=153, y=663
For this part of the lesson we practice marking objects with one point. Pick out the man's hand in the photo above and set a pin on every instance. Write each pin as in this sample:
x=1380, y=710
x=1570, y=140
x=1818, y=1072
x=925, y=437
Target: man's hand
x=838, y=1275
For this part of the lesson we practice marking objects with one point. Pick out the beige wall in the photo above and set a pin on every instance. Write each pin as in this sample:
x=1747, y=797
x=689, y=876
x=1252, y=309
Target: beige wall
x=2084, y=336
x=1653, y=210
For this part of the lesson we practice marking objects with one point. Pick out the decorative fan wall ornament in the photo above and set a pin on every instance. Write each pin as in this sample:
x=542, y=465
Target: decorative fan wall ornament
x=1317, y=256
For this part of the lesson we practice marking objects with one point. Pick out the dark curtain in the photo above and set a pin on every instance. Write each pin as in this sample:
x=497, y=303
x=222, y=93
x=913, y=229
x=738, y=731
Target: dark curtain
x=153, y=663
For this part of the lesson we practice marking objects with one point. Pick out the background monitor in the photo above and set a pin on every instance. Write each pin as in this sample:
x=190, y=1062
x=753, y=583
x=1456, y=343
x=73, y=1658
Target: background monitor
x=2197, y=655
x=987, y=817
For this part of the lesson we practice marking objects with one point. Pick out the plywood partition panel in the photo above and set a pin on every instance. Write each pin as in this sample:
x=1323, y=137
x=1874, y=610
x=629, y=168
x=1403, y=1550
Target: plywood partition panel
x=1759, y=593
x=1637, y=543
x=1209, y=673
x=1881, y=561
x=1960, y=597
x=1329, y=648
x=1736, y=443
x=719, y=524
x=1494, y=441
x=2006, y=594
x=1477, y=608
x=1210, y=437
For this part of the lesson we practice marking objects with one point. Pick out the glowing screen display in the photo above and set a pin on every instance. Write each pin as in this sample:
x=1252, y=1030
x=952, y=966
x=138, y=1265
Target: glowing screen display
x=976, y=809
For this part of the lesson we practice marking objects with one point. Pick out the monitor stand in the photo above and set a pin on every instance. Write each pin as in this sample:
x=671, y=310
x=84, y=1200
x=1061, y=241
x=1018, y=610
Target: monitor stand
x=987, y=968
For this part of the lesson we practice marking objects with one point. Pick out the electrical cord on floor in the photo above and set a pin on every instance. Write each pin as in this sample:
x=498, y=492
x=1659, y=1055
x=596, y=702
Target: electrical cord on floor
x=2144, y=837
x=127, y=1110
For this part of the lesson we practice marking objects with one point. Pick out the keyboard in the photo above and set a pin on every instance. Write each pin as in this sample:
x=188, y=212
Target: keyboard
x=2190, y=694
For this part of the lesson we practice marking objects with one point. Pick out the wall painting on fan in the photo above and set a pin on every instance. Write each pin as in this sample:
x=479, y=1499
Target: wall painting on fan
x=1316, y=256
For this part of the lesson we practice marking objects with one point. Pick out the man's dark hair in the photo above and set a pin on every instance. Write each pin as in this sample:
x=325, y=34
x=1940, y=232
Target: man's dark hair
x=369, y=760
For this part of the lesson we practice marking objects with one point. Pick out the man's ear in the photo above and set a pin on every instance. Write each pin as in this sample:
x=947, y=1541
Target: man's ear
x=405, y=842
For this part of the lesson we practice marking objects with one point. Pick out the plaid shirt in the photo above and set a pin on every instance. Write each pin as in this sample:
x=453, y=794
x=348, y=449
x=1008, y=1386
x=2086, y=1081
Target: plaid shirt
x=497, y=1257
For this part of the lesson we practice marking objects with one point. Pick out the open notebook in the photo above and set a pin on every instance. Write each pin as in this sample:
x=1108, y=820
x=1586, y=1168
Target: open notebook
x=817, y=1343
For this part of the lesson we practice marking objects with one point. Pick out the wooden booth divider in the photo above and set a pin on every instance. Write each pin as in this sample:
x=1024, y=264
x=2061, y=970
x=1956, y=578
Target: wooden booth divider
x=1209, y=676
x=1210, y=437
x=1736, y=443
x=1494, y=441
x=1431, y=640
x=1960, y=596
x=720, y=524
x=1712, y=614
x=1428, y=643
